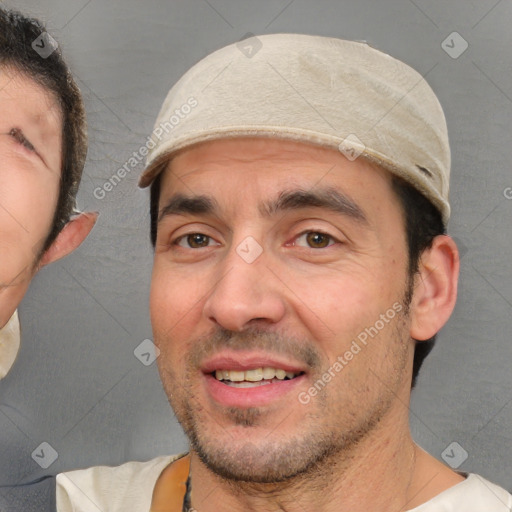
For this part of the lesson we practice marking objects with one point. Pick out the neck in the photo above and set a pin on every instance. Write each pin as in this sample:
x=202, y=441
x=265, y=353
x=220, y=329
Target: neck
x=378, y=473
x=383, y=471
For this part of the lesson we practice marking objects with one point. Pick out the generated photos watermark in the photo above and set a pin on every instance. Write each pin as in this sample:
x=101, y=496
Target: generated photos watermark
x=357, y=345
x=44, y=45
x=138, y=156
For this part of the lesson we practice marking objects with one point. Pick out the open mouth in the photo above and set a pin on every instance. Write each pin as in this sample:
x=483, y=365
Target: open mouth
x=254, y=377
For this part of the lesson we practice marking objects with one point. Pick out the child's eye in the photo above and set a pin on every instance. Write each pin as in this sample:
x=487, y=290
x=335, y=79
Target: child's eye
x=18, y=136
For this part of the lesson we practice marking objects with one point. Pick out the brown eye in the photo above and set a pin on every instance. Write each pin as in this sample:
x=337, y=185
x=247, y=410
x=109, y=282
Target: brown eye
x=196, y=240
x=317, y=240
x=314, y=240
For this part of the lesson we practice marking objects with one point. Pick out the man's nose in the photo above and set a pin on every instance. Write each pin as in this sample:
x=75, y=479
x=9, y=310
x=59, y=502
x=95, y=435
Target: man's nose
x=248, y=290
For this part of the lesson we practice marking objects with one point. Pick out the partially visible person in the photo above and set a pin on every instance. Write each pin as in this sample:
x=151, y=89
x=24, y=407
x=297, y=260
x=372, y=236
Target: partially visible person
x=43, y=144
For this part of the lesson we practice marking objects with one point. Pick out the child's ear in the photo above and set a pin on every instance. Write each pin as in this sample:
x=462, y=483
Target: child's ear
x=71, y=236
x=435, y=290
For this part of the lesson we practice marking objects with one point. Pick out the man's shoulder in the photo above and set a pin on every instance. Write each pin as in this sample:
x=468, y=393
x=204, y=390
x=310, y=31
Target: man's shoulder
x=475, y=494
x=125, y=487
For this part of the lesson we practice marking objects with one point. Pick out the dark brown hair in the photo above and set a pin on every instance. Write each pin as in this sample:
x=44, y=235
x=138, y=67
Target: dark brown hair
x=17, y=34
x=423, y=222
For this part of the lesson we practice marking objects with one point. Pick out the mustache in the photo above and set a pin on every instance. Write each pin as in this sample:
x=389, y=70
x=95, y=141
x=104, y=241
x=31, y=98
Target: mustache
x=295, y=348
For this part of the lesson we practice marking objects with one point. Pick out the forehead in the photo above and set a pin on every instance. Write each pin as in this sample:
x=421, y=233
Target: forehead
x=23, y=100
x=270, y=164
x=28, y=106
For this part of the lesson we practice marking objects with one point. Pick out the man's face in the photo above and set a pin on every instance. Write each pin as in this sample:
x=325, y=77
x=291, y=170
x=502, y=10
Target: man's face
x=30, y=163
x=274, y=257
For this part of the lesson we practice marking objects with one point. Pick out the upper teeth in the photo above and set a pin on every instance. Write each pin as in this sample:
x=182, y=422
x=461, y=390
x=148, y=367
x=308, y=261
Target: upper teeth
x=255, y=375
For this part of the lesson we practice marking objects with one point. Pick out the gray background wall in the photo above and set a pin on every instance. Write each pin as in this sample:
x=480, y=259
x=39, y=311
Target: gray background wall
x=77, y=384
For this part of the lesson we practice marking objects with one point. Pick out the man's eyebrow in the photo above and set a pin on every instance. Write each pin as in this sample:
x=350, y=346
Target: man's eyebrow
x=328, y=198
x=180, y=204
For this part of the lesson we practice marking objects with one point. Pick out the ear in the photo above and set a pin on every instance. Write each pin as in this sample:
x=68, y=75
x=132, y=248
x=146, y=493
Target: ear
x=435, y=290
x=71, y=236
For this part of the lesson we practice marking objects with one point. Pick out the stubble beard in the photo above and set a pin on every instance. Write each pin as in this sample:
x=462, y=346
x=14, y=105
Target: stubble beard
x=273, y=459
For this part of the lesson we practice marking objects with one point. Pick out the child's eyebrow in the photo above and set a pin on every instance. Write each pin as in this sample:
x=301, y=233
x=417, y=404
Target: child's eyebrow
x=20, y=137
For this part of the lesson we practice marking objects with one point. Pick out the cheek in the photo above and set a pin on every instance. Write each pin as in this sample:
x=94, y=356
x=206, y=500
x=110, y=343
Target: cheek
x=26, y=213
x=345, y=296
x=174, y=305
x=28, y=203
x=339, y=312
x=338, y=307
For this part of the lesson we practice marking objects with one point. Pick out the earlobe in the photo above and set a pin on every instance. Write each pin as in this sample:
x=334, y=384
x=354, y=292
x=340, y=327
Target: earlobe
x=435, y=290
x=71, y=236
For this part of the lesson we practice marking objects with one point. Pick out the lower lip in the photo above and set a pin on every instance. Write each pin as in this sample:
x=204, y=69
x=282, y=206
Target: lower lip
x=256, y=396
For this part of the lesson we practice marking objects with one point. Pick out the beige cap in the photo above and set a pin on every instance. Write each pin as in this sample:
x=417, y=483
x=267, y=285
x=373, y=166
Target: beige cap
x=335, y=93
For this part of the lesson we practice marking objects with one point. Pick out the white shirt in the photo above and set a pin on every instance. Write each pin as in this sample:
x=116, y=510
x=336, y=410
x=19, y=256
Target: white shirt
x=475, y=494
x=129, y=488
x=9, y=344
